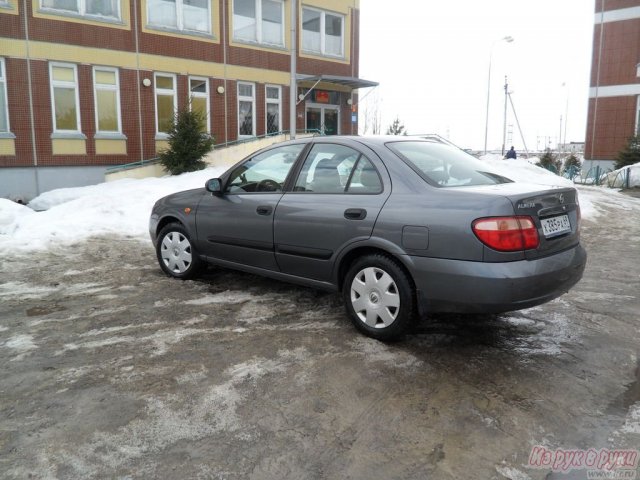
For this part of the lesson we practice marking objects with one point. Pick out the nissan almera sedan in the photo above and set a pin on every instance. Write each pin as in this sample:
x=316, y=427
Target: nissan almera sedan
x=402, y=227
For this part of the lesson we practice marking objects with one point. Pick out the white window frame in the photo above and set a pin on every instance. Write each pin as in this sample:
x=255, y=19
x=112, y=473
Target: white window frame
x=3, y=90
x=59, y=83
x=82, y=11
x=268, y=101
x=164, y=91
x=202, y=95
x=258, y=19
x=111, y=88
x=323, y=14
x=251, y=99
x=180, y=20
x=638, y=116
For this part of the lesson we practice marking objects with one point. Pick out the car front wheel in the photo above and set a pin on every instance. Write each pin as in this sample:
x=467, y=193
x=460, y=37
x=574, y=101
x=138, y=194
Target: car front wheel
x=176, y=254
x=379, y=297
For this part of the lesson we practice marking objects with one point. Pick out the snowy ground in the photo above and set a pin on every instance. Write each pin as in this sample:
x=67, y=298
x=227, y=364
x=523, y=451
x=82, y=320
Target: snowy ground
x=112, y=370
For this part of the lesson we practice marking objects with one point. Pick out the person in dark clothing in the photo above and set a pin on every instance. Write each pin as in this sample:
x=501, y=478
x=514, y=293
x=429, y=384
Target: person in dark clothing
x=511, y=153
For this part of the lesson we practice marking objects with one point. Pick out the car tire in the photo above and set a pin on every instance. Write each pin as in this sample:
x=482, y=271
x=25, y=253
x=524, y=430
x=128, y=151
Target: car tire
x=176, y=253
x=379, y=297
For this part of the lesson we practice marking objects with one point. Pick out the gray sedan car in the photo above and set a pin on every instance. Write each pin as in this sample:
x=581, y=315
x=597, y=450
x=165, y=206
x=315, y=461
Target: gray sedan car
x=401, y=226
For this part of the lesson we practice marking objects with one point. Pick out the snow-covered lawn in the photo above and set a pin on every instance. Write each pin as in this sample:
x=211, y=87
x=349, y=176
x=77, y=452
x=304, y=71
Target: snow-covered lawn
x=69, y=215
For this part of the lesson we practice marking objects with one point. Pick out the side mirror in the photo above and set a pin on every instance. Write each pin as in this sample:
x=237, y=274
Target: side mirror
x=214, y=185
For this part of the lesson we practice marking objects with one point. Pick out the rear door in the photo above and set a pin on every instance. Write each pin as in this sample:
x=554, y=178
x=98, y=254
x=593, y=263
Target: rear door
x=237, y=225
x=336, y=199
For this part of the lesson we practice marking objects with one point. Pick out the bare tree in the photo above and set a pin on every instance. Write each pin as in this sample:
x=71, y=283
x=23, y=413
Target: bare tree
x=372, y=116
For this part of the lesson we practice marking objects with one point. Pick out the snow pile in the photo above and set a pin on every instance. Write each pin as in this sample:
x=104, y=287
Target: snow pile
x=617, y=178
x=74, y=214
x=521, y=170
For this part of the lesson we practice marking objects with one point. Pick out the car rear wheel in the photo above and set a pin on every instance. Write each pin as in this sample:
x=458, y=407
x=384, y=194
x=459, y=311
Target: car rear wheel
x=379, y=297
x=176, y=254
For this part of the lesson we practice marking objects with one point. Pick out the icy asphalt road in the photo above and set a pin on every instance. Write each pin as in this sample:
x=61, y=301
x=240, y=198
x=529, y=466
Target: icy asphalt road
x=111, y=370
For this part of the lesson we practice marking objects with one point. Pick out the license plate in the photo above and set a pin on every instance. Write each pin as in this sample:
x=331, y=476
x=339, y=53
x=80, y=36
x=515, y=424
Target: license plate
x=554, y=226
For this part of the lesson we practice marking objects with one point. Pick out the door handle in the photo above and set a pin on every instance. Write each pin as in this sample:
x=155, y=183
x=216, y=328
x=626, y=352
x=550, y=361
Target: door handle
x=264, y=210
x=355, y=214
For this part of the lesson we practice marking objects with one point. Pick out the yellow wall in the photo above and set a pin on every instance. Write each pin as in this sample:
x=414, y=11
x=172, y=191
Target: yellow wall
x=111, y=147
x=7, y=146
x=65, y=146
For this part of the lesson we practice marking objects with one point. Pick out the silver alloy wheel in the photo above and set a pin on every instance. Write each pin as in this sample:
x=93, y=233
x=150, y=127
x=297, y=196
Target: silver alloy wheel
x=176, y=252
x=375, y=297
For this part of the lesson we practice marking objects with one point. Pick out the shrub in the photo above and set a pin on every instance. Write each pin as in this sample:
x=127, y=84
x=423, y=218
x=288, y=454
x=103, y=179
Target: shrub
x=630, y=154
x=188, y=143
x=550, y=162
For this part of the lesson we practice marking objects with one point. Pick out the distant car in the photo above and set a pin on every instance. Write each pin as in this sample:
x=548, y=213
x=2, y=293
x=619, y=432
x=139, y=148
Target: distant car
x=400, y=226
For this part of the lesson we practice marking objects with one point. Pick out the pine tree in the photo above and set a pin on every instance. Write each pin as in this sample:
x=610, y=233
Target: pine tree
x=630, y=154
x=572, y=161
x=550, y=162
x=188, y=143
x=396, y=128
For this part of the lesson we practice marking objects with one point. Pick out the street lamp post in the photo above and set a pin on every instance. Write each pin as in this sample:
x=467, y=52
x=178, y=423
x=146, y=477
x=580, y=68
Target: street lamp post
x=507, y=39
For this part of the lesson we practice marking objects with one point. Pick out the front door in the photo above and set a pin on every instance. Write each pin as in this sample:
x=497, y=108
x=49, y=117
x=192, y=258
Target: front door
x=323, y=118
x=237, y=225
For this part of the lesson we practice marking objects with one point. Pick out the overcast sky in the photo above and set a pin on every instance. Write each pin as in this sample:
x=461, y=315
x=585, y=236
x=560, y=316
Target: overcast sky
x=431, y=59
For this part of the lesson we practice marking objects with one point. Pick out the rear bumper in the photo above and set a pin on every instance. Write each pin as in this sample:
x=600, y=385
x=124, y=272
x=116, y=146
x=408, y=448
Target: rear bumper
x=481, y=287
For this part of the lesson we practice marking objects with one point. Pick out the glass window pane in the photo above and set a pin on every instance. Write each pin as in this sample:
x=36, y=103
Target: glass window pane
x=106, y=8
x=65, y=108
x=164, y=82
x=244, y=20
x=272, y=22
x=165, y=113
x=365, y=178
x=3, y=110
x=69, y=5
x=162, y=12
x=198, y=86
x=105, y=77
x=311, y=30
x=245, y=90
x=333, y=31
x=199, y=104
x=265, y=172
x=326, y=169
x=107, y=110
x=63, y=74
x=273, y=92
x=196, y=15
x=245, y=118
x=273, y=117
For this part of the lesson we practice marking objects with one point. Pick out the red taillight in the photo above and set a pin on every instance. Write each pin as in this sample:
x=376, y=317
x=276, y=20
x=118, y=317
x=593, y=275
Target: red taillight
x=507, y=234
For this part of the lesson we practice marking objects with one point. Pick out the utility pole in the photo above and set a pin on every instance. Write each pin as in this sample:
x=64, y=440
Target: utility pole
x=293, y=83
x=504, y=128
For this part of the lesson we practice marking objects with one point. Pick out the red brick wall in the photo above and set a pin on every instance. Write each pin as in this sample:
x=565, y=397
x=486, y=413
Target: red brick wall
x=615, y=4
x=620, y=53
x=615, y=123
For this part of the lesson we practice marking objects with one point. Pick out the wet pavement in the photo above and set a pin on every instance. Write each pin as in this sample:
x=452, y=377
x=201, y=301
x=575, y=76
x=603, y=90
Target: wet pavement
x=111, y=370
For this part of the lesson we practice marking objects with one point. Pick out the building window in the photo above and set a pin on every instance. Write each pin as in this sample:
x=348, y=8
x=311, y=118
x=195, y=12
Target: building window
x=4, y=108
x=199, y=100
x=322, y=32
x=106, y=87
x=64, y=97
x=246, y=110
x=109, y=9
x=260, y=21
x=183, y=15
x=273, y=109
x=166, y=105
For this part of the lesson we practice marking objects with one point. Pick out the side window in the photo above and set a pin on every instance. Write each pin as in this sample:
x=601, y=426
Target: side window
x=333, y=168
x=265, y=172
x=365, y=178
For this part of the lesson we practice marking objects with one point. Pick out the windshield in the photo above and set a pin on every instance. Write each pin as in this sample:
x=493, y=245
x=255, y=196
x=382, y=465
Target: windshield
x=444, y=166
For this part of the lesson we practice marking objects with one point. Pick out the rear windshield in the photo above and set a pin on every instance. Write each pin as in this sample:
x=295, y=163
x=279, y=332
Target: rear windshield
x=444, y=166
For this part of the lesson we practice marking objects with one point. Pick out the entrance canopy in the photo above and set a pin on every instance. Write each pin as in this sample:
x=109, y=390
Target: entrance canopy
x=352, y=83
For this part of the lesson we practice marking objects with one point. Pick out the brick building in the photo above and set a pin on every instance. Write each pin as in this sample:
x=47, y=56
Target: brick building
x=87, y=84
x=614, y=99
